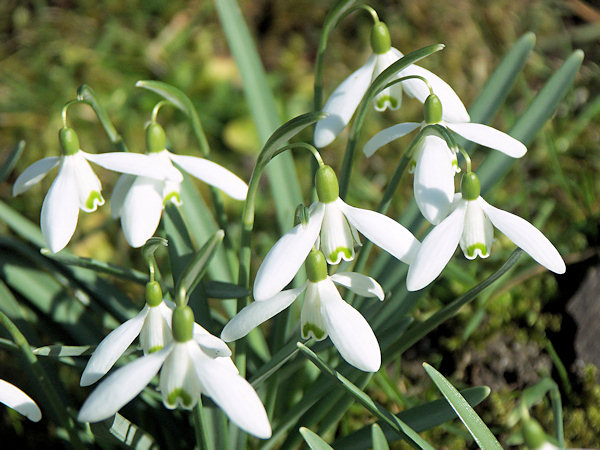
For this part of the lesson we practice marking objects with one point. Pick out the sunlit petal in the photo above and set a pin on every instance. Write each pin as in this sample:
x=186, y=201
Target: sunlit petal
x=213, y=174
x=382, y=231
x=120, y=191
x=359, y=284
x=156, y=331
x=526, y=236
x=141, y=211
x=34, y=174
x=18, y=400
x=287, y=255
x=311, y=322
x=256, y=313
x=388, y=135
x=152, y=165
x=337, y=242
x=211, y=345
x=478, y=233
x=88, y=185
x=489, y=137
x=111, y=348
x=342, y=103
x=179, y=384
x=436, y=249
x=121, y=387
x=389, y=97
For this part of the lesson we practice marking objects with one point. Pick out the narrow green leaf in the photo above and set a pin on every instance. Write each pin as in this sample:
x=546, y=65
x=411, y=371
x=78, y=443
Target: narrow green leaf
x=198, y=266
x=379, y=440
x=400, y=427
x=21, y=225
x=279, y=359
x=480, y=432
x=60, y=351
x=11, y=160
x=314, y=441
x=223, y=290
x=127, y=433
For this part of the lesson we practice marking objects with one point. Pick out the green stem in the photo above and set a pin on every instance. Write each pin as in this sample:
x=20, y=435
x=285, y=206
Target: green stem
x=64, y=110
x=200, y=425
x=51, y=394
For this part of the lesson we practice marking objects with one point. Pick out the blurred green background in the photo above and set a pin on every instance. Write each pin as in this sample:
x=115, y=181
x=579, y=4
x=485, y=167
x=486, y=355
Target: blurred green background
x=48, y=49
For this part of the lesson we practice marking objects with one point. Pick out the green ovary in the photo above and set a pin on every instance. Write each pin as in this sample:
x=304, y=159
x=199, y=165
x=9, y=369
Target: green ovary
x=179, y=393
x=472, y=248
x=381, y=101
x=346, y=251
x=316, y=331
x=95, y=198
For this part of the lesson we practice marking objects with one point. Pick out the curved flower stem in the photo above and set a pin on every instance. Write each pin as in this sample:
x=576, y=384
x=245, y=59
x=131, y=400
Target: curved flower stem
x=53, y=399
x=157, y=108
x=65, y=108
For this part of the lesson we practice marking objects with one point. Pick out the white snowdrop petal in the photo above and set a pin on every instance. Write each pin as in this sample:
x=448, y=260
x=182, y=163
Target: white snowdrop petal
x=156, y=331
x=256, y=313
x=434, y=178
x=152, y=166
x=359, y=284
x=388, y=135
x=88, y=185
x=111, y=348
x=526, y=236
x=60, y=209
x=287, y=255
x=15, y=398
x=382, y=231
x=121, y=387
x=436, y=249
x=117, y=199
x=336, y=242
x=213, y=174
x=389, y=97
x=342, y=103
x=141, y=211
x=211, y=345
x=478, y=233
x=34, y=174
x=311, y=322
x=179, y=383
x=232, y=393
x=348, y=330
x=489, y=137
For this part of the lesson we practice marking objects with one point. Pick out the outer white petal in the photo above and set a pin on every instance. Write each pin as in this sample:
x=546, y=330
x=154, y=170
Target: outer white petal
x=111, y=348
x=434, y=178
x=18, y=400
x=213, y=174
x=179, y=384
x=120, y=191
x=211, y=345
x=60, y=209
x=232, y=393
x=382, y=231
x=287, y=255
x=342, y=103
x=526, y=236
x=489, y=137
x=453, y=109
x=348, y=330
x=359, y=284
x=257, y=312
x=34, y=174
x=388, y=135
x=121, y=387
x=141, y=211
x=156, y=331
x=437, y=249
x=337, y=240
x=136, y=164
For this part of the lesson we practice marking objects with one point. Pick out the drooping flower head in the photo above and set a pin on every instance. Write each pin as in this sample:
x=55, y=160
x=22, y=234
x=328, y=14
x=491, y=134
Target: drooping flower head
x=434, y=162
x=190, y=367
x=139, y=201
x=336, y=224
x=76, y=186
x=345, y=98
x=324, y=313
x=470, y=225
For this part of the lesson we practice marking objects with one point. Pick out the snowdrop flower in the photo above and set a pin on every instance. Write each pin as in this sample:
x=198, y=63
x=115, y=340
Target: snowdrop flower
x=76, y=186
x=153, y=325
x=189, y=368
x=470, y=224
x=345, y=98
x=434, y=162
x=139, y=201
x=324, y=313
x=336, y=223
x=15, y=398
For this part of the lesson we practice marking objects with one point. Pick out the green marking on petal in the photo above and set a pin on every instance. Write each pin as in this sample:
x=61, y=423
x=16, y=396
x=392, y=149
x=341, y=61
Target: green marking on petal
x=387, y=99
x=309, y=328
x=179, y=393
x=155, y=348
x=412, y=165
x=344, y=250
x=94, y=200
x=172, y=197
x=471, y=249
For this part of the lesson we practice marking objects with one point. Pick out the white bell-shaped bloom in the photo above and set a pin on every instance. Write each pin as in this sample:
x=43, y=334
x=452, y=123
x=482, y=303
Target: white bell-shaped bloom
x=336, y=223
x=139, y=201
x=324, y=313
x=346, y=97
x=470, y=225
x=190, y=367
x=77, y=187
x=15, y=398
x=434, y=162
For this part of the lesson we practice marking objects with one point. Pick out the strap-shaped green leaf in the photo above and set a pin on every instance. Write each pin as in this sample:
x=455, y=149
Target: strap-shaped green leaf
x=126, y=433
x=11, y=160
x=479, y=430
x=314, y=441
x=379, y=440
